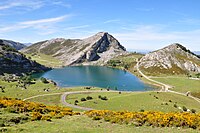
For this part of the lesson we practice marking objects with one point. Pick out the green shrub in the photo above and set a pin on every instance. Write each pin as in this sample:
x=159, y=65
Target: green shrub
x=83, y=99
x=89, y=98
x=104, y=98
x=44, y=80
x=184, y=108
x=193, y=110
x=96, y=118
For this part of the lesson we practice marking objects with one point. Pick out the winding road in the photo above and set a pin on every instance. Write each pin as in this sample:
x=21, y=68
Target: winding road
x=165, y=87
x=63, y=99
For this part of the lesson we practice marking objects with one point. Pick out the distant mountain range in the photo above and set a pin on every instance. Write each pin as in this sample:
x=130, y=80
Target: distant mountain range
x=94, y=50
x=174, y=59
x=13, y=44
x=98, y=50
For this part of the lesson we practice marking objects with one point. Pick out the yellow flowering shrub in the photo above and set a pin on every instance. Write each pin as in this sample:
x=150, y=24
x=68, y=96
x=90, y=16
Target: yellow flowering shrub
x=38, y=111
x=148, y=118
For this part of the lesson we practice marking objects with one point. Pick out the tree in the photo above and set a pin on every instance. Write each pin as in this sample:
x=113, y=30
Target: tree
x=44, y=80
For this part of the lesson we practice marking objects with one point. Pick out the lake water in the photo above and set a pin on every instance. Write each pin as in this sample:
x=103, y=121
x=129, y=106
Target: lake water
x=95, y=76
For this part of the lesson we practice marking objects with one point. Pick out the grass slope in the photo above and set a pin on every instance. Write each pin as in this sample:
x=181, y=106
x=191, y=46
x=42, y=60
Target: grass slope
x=46, y=60
x=136, y=101
x=181, y=84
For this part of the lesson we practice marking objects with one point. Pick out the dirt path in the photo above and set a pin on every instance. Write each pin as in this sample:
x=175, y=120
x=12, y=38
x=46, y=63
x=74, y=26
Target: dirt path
x=165, y=87
x=40, y=96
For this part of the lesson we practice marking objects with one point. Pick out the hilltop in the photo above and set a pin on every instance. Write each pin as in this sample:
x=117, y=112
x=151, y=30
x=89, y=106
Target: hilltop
x=94, y=50
x=15, y=45
x=173, y=59
x=14, y=62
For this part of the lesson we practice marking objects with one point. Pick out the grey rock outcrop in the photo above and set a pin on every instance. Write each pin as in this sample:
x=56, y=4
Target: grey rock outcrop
x=13, y=62
x=94, y=50
x=173, y=57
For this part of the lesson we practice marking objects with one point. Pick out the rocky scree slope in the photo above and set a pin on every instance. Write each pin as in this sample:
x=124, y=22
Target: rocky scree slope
x=15, y=45
x=13, y=62
x=173, y=59
x=95, y=50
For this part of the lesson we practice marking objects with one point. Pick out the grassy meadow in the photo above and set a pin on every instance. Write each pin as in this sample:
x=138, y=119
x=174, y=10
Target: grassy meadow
x=150, y=101
x=46, y=60
x=180, y=83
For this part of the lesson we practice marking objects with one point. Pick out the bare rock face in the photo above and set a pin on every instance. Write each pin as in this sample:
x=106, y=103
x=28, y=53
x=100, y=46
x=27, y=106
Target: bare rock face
x=94, y=50
x=174, y=58
x=13, y=62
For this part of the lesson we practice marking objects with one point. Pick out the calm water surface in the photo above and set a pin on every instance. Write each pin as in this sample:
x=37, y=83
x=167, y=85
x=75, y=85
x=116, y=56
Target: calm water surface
x=95, y=76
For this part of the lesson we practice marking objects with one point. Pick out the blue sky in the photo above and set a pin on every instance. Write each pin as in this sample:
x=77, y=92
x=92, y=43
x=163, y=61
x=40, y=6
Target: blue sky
x=137, y=24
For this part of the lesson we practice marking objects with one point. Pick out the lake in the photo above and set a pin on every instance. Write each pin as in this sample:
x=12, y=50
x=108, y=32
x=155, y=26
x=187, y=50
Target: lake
x=98, y=76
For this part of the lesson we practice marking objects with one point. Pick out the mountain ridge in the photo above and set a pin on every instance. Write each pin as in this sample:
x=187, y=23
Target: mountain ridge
x=16, y=45
x=174, y=58
x=13, y=62
x=97, y=49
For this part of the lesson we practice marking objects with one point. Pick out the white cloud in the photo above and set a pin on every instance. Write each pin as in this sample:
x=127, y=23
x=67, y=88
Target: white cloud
x=61, y=3
x=30, y=4
x=23, y=4
x=111, y=21
x=48, y=20
x=41, y=24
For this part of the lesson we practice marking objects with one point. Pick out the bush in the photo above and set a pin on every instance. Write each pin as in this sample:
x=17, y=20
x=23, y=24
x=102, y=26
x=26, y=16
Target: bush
x=83, y=99
x=141, y=110
x=184, y=108
x=99, y=96
x=96, y=118
x=89, y=98
x=193, y=110
x=44, y=80
x=175, y=106
x=104, y=98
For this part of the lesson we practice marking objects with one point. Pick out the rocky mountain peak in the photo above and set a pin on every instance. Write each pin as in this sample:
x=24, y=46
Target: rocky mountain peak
x=97, y=49
x=174, y=58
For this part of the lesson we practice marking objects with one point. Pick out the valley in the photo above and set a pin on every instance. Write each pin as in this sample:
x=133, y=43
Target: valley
x=170, y=74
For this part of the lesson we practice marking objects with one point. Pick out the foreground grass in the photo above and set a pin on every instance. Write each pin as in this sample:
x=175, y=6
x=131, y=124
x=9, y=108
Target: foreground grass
x=181, y=84
x=83, y=124
x=136, y=101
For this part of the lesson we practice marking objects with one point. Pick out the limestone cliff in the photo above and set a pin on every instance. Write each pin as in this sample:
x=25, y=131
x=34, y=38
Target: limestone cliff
x=97, y=49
